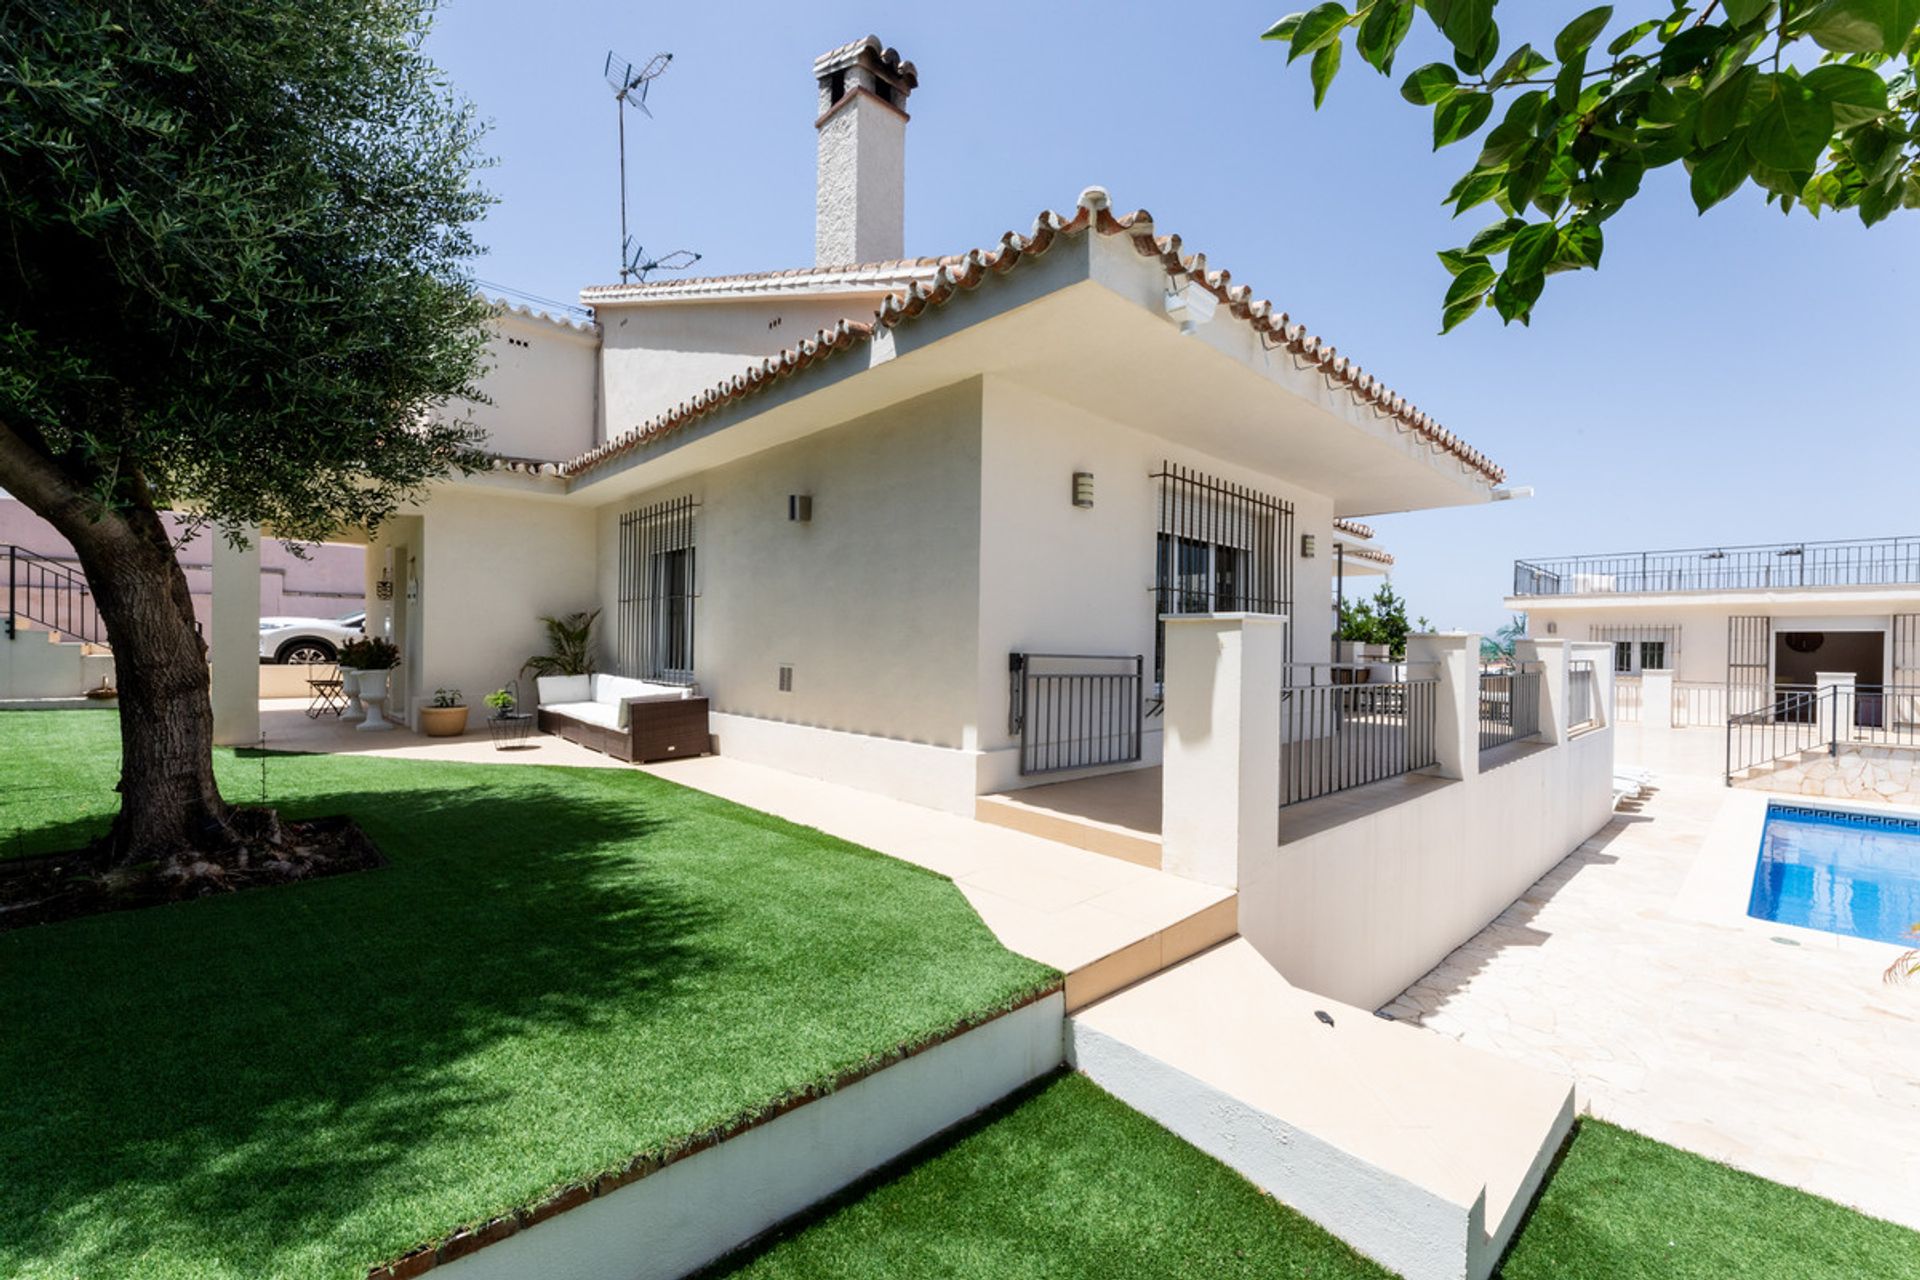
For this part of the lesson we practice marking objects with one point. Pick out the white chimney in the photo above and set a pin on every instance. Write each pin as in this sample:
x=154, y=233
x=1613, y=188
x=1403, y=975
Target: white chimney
x=860, y=205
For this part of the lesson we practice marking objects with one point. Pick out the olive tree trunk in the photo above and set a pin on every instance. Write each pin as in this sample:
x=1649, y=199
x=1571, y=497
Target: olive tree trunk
x=169, y=803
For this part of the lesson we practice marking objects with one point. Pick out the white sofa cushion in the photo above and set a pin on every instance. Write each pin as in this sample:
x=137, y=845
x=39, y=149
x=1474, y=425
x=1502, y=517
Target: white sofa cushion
x=600, y=713
x=619, y=691
x=553, y=690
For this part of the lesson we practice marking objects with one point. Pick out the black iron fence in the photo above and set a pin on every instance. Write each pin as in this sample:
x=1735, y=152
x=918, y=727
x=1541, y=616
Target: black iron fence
x=1870, y=562
x=1801, y=718
x=1075, y=710
x=49, y=594
x=1352, y=731
x=1582, y=695
x=1509, y=707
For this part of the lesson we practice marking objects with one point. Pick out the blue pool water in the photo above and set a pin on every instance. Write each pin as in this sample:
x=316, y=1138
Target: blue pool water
x=1849, y=873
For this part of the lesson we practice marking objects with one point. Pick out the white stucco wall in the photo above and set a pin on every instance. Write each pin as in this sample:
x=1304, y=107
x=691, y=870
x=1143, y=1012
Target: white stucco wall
x=1056, y=578
x=1360, y=910
x=1702, y=624
x=660, y=354
x=541, y=388
x=484, y=569
x=32, y=666
x=872, y=602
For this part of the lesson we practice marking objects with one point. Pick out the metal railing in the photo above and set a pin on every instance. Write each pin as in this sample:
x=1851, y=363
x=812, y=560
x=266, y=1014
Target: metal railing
x=1801, y=718
x=1509, y=707
x=1075, y=710
x=1868, y=562
x=47, y=593
x=1352, y=731
x=1582, y=695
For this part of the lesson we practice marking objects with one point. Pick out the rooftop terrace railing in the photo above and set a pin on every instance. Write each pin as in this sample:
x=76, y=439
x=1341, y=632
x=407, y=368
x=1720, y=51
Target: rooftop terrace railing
x=1872, y=562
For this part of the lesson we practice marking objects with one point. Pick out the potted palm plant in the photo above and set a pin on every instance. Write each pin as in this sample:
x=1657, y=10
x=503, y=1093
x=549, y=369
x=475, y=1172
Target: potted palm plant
x=446, y=717
x=569, y=646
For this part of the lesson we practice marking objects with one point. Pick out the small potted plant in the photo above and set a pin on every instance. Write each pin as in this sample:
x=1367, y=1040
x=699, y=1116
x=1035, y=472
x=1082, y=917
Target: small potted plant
x=446, y=717
x=502, y=701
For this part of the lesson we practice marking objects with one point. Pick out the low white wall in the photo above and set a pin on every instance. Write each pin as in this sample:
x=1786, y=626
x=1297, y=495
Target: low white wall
x=693, y=1211
x=1410, y=1229
x=937, y=777
x=33, y=667
x=1361, y=910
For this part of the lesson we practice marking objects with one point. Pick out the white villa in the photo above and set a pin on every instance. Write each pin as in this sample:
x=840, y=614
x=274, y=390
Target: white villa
x=1067, y=510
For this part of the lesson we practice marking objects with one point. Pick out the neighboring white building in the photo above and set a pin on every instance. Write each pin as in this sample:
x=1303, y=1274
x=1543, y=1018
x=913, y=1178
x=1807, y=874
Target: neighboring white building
x=1756, y=620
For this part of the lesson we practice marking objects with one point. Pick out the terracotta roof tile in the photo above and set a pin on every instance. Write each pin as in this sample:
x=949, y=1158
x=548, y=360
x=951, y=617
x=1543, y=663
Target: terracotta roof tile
x=1353, y=527
x=1374, y=554
x=857, y=277
x=969, y=270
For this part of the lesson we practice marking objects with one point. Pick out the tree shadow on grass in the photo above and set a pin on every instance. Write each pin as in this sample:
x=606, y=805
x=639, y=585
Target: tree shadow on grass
x=292, y=1080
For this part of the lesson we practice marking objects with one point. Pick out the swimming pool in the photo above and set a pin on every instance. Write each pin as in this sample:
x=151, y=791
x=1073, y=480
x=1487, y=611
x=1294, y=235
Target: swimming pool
x=1856, y=874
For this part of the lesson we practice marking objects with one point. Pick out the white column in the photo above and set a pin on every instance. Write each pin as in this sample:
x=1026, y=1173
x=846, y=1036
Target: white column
x=1839, y=703
x=1656, y=698
x=1551, y=654
x=1220, y=779
x=1454, y=656
x=235, y=640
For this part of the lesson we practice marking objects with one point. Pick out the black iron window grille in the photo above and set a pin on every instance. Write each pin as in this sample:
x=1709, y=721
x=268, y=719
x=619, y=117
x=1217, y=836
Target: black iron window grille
x=1220, y=548
x=658, y=591
x=1642, y=648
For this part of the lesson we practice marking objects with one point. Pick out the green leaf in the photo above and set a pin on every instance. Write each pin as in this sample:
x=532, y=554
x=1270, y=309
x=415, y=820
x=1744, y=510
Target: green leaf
x=1577, y=35
x=1475, y=280
x=1566, y=85
x=1618, y=180
x=1459, y=115
x=1525, y=175
x=1632, y=36
x=1879, y=200
x=1495, y=237
x=1720, y=110
x=1520, y=65
x=1326, y=64
x=1458, y=260
x=1533, y=248
x=1580, y=245
x=1475, y=189
x=1381, y=32
x=1718, y=173
x=1454, y=313
x=1791, y=125
x=1860, y=26
x=1319, y=26
x=1515, y=294
x=1741, y=12
x=1476, y=61
x=1856, y=95
x=1463, y=22
x=1283, y=29
x=1429, y=84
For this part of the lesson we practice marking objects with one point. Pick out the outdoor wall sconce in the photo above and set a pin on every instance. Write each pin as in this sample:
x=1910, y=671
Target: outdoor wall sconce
x=383, y=589
x=1083, y=489
x=1553, y=628
x=800, y=508
x=1307, y=545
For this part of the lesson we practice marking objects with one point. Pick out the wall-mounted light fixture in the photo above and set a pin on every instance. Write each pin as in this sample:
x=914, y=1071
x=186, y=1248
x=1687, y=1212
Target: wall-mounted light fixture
x=1553, y=628
x=1083, y=489
x=800, y=507
x=1307, y=546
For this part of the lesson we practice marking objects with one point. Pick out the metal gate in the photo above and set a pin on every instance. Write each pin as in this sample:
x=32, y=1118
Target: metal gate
x=1749, y=663
x=1075, y=710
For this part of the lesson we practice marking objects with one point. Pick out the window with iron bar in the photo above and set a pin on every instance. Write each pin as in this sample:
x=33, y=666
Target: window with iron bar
x=658, y=591
x=1220, y=548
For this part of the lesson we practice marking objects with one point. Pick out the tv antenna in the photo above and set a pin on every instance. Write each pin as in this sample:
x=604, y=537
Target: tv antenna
x=630, y=84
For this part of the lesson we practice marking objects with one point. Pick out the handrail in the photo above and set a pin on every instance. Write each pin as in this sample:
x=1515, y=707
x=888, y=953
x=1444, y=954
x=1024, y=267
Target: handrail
x=1855, y=562
x=43, y=591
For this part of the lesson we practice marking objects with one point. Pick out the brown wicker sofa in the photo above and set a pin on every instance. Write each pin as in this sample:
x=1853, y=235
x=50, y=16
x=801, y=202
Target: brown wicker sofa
x=628, y=719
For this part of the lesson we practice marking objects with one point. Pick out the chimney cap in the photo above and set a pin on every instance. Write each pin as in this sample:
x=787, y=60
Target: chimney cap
x=872, y=54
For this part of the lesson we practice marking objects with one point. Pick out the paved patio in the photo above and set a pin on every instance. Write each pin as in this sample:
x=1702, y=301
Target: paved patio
x=1788, y=1059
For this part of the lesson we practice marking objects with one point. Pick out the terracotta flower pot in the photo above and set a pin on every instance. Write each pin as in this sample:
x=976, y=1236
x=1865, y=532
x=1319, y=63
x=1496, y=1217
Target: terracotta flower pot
x=443, y=722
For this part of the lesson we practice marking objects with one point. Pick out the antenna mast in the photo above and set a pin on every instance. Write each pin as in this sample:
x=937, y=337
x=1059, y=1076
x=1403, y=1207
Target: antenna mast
x=630, y=84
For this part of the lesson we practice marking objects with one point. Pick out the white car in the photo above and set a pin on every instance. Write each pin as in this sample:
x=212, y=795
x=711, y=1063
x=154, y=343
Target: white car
x=308, y=639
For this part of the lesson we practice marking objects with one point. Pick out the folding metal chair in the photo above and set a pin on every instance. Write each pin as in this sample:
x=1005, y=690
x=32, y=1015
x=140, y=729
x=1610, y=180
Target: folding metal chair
x=329, y=695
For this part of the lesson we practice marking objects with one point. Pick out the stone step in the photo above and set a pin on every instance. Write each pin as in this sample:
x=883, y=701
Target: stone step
x=1116, y=815
x=1420, y=1152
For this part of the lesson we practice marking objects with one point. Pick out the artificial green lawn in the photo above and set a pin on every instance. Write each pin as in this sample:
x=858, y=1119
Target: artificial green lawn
x=560, y=969
x=1069, y=1182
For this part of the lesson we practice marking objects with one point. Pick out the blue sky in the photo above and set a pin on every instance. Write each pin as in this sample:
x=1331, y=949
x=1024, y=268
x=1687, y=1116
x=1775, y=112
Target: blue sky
x=1740, y=377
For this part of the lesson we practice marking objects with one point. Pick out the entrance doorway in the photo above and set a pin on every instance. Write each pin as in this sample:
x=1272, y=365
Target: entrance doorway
x=1800, y=656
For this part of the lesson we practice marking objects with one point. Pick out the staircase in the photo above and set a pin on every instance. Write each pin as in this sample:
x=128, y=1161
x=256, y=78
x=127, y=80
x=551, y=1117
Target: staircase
x=55, y=647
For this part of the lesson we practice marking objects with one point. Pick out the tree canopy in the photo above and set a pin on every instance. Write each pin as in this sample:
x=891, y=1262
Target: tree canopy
x=1813, y=101
x=1381, y=619
x=235, y=272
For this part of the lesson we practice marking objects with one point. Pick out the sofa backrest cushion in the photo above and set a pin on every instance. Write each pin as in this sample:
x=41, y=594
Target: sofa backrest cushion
x=552, y=689
x=621, y=690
